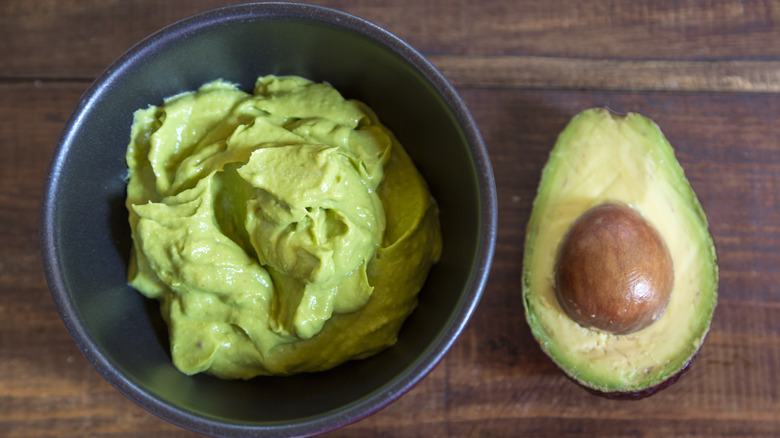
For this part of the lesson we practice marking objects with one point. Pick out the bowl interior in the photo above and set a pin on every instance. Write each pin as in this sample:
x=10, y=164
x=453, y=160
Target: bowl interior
x=86, y=238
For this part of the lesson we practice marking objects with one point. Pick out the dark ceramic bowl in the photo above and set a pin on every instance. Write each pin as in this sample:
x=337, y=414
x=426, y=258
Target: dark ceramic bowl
x=86, y=238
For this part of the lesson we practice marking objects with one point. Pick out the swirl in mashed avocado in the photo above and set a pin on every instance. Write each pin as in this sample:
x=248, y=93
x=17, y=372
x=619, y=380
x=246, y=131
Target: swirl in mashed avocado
x=282, y=231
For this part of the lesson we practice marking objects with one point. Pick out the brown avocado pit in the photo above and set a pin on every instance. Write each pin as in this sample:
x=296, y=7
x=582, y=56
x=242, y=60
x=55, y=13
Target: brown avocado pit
x=613, y=271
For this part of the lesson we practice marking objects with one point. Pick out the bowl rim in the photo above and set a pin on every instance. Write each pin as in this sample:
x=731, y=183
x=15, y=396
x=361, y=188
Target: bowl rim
x=360, y=408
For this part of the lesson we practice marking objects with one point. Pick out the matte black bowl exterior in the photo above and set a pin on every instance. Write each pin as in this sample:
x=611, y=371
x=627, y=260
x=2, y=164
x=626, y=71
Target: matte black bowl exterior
x=86, y=239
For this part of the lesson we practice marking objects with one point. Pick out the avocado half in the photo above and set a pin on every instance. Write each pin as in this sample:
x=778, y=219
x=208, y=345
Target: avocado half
x=599, y=158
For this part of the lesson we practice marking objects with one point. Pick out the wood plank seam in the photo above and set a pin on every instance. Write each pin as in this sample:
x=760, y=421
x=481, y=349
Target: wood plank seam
x=539, y=72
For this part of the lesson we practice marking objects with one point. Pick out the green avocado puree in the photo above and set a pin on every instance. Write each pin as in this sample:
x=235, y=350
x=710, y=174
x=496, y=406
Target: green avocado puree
x=283, y=231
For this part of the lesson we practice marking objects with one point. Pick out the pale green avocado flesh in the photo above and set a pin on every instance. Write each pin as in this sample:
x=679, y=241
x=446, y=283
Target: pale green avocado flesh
x=283, y=231
x=601, y=157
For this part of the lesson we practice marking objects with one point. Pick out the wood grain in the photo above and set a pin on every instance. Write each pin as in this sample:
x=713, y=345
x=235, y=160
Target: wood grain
x=534, y=72
x=73, y=39
x=706, y=71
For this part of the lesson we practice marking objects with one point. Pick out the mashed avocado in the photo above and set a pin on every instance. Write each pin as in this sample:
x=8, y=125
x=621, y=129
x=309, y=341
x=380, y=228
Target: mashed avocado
x=282, y=231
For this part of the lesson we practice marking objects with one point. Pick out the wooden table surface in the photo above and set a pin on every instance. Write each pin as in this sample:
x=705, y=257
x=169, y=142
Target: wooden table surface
x=707, y=71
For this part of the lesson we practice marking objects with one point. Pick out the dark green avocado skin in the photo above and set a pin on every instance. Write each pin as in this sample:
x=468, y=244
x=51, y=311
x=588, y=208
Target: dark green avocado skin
x=647, y=392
